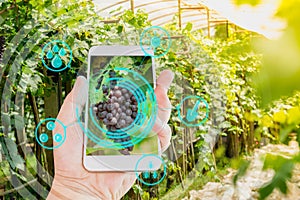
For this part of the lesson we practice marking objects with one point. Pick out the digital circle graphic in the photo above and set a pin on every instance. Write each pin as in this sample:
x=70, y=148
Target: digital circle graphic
x=146, y=162
x=153, y=39
x=58, y=137
x=191, y=117
x=50, y=126
x=53, y=55
x=146, y=113
x=44, y=137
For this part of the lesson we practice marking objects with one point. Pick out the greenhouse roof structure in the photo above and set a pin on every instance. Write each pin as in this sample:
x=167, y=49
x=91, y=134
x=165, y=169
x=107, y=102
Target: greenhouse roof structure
x=203, y=14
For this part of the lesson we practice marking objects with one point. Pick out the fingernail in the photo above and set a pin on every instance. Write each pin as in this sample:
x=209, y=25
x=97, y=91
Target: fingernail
x=80, y=90
x=79, y=81
x=81, y=73
x=165, y=79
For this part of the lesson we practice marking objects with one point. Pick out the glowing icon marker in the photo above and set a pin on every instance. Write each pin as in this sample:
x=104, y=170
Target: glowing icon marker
x=190, y=118
x=53, y=53
x=155, y=38
x=50, y=126
x=58, y=137
x=44, y=137
x=193, y=113
x=149, y=165
x=56, y=62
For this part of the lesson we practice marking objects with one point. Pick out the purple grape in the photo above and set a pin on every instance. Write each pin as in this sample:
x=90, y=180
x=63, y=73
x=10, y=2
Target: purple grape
x=113, y=121
x=114, y=99
x=122, y=123
x=121, y=99
x=123, y=115
x=124, y=90
x=127, y=104
x=110, y=107
x=105, y=121
x=100, y=106
x=124, y=108
x=134, y=108
x=134, y=114
x=109, y=116
x=118, y=93
x=114, y=112
x=95, y=109
x=128, y=112
x=117, y=105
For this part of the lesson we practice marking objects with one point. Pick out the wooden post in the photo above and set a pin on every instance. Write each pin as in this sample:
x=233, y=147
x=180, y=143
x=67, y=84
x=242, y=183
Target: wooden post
x=51, y=110
x=208, y=22
x=179, y=14
x=38, y=148
x=20, y=133
x=132, y=5
x=251, y=136
x=51, y=103
x=227, y=29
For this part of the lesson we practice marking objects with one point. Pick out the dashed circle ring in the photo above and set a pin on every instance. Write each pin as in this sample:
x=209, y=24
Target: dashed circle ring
x=153, y=39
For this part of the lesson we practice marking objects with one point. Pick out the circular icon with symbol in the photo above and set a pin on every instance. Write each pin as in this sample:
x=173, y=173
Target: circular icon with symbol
x=193, y=111
x=47, y=126
x=153, y=168
x=155, y=41
x=56, y=56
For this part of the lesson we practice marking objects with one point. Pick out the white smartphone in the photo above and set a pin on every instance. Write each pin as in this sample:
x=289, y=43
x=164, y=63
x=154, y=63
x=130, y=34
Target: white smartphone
x=120, y=111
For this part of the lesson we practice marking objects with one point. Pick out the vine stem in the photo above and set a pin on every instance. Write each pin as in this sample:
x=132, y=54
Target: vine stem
x=7, y=9
x=17, y=188
x=176, y=157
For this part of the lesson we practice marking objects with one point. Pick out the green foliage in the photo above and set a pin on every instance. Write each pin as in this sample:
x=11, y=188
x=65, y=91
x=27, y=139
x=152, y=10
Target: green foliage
x=243, y=166
x=235, y=63
x=283, y=171
x=217, y=69
x=27, y=27
x=279, y=77
x=251, y=2
x=10, y=148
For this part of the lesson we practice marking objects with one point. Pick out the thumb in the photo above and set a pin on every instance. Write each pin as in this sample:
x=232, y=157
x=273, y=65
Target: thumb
x=76, y=99
x=164, y=81
x=162, y=85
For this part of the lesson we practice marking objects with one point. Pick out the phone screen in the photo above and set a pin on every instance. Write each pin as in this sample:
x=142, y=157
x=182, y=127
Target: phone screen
x=120, y=109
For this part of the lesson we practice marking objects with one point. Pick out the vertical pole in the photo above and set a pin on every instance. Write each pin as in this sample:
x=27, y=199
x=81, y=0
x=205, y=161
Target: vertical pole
x=227, y=29
x=179, y=14
x=208, y=21
x=132, y=5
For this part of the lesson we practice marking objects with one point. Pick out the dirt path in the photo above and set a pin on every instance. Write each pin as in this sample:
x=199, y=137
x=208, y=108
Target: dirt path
x=248, y=185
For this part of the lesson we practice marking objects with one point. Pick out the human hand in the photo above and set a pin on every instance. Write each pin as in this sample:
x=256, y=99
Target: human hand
x=72, y=180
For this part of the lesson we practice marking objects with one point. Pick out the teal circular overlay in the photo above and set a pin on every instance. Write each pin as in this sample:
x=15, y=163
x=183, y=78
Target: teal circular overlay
x=150, y=176
x=47, y=126
x=197, y=111
x=139, y=129
x=155, y=41
x=56, y=56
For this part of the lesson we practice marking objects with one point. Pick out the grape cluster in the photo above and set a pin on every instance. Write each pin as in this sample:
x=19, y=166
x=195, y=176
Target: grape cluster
x=2, y=43
x=117, y=112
